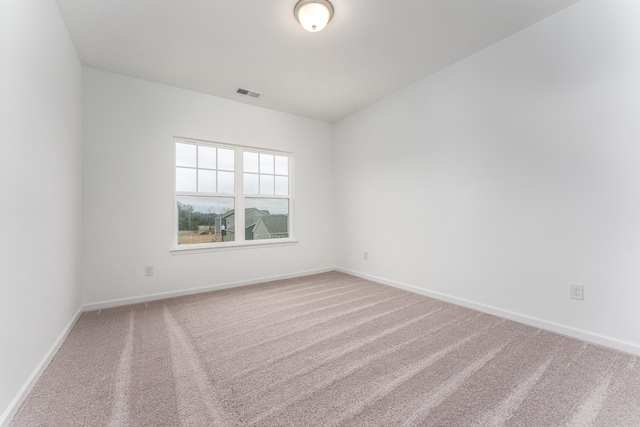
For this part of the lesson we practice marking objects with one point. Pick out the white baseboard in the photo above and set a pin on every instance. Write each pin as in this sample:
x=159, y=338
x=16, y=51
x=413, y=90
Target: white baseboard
x=614, y=343
x=13, y=407
x=628, y=347
x=172, y=294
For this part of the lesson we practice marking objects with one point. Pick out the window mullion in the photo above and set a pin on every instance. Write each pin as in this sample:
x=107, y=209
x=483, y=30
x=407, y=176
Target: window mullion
x=239, y=193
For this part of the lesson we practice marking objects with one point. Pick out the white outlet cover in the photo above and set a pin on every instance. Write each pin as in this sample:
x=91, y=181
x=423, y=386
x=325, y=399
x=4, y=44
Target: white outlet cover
x=576, y=292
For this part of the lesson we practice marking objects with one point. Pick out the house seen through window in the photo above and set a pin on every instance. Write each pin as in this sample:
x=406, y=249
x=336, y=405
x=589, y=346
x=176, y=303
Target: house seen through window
x=214, y=182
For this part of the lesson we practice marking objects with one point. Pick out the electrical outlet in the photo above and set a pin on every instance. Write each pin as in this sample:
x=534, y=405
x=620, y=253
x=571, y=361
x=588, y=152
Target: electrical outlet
x=148, y=270
x=366, y=255
x=576, y=292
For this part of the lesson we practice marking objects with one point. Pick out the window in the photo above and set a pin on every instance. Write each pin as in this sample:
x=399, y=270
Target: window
x=215, y=181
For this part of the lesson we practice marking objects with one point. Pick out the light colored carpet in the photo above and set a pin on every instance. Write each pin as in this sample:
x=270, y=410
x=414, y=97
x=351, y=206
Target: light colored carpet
x=326, y=350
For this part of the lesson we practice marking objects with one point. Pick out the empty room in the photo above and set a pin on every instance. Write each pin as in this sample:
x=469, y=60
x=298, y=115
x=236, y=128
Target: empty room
x=320, y=213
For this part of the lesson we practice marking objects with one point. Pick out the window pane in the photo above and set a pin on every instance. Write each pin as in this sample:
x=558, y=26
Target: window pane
x=203, y=219
x=185, y=179
x=250, y=183
x=185, y=155
x=225, y=182
x=206, y=157
x=282, y=165
x=266, y=163
x=225, y=159
x=207, y=181
x=250, y=162
x=282, y=185
x=266, y=184
x=266, y=218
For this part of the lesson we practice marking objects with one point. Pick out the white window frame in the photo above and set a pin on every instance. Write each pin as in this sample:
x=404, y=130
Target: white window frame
x=239, y=196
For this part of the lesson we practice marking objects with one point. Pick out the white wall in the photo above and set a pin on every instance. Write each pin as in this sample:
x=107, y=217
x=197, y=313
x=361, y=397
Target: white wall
x=129, y=126
x=41, y=188
x=511, y=174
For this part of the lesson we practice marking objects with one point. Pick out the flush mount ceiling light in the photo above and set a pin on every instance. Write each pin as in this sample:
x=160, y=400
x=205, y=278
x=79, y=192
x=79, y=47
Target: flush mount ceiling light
x=313, y=15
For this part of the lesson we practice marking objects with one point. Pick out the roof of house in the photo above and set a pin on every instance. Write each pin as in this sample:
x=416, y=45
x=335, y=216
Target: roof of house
x=276, y=223
x=232, y=213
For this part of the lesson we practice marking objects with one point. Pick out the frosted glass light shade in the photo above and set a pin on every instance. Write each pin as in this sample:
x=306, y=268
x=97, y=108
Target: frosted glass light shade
x=313, y=15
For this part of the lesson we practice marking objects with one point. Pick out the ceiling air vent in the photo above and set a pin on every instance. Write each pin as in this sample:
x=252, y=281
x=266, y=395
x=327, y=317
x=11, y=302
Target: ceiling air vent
x=248, y=93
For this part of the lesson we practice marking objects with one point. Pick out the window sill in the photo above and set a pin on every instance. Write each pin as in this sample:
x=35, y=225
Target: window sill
x=230, y=246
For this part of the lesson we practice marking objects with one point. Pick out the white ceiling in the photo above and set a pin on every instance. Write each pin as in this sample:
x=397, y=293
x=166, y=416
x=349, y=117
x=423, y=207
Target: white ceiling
x=370, y=49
